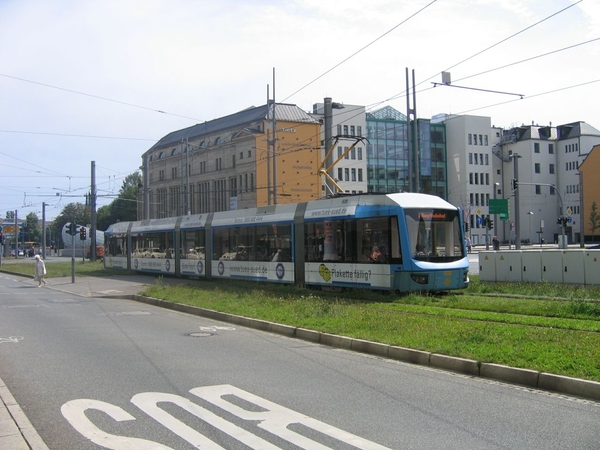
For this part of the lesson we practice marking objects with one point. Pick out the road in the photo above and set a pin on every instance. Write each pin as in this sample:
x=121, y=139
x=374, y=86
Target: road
x=92, y=372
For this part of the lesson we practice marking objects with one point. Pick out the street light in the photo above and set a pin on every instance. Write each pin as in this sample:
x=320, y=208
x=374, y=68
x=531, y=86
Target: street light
x=530, y=213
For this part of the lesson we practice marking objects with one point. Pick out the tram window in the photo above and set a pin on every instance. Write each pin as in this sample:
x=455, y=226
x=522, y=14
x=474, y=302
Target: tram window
x=376, y=241
x=314, y=241
x=117, y=245
x=259, y=243
x=152, y=245
x=193, y=245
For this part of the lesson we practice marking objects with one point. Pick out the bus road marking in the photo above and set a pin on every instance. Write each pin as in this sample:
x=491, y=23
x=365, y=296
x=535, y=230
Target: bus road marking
x=264, y=414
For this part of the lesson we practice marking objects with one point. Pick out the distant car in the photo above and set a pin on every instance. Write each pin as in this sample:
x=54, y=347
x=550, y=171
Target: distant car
x=12, y=252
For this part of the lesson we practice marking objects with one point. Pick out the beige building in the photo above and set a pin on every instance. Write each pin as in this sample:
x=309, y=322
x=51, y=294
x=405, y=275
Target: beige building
x=590, y=188
x=231, y=163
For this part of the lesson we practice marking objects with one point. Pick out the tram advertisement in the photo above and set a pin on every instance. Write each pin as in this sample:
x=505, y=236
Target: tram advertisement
x=349, y=275
x=282, y=272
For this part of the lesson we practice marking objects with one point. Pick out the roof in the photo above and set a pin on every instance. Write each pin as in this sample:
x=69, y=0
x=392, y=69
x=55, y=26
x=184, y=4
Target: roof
x=576, y=129
x=283, y=112
x=386, y=113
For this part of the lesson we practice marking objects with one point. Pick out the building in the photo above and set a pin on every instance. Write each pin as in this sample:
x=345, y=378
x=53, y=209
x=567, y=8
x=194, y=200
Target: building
x=389, y=159
x=349, y=164
x=485, y=161
x=231, y=163
x=590, y=195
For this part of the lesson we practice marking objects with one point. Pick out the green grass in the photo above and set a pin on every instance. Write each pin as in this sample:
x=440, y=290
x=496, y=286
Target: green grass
x=546, y=327
x=63, y=268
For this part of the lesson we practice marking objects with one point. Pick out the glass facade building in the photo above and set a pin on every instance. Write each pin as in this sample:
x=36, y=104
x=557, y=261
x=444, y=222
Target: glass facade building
x=387, y=154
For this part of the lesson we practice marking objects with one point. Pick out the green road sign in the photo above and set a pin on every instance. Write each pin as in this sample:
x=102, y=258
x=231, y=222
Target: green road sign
x=499, y=206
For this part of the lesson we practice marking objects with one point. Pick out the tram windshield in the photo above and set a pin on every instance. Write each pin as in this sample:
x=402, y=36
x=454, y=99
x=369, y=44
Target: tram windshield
x=434, y=234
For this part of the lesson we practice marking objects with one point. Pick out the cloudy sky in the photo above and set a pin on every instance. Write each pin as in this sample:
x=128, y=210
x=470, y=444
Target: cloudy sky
x=103, y=80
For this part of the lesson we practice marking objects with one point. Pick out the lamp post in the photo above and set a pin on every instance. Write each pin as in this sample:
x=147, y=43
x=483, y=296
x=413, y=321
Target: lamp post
x=515, y=157
x=530, y=213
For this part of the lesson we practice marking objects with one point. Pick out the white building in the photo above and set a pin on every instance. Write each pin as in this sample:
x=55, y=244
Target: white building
x=482, y=160
x=348, y=124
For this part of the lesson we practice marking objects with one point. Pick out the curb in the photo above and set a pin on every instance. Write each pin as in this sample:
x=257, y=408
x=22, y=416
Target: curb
x=524, y=377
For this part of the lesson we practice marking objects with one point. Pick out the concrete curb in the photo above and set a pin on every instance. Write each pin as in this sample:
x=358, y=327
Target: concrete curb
x=524, y=377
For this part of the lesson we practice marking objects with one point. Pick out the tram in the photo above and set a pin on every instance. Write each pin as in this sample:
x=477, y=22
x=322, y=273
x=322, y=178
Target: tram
x=400, y=242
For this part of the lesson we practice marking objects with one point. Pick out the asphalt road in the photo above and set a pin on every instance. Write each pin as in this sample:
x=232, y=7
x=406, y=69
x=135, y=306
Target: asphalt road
x=93, y=372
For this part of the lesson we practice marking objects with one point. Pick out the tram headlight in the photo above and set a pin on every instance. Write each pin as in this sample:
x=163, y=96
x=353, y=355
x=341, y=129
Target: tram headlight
x=421, y=278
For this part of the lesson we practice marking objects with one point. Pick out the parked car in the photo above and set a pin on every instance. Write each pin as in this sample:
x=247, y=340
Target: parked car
x=12, y=252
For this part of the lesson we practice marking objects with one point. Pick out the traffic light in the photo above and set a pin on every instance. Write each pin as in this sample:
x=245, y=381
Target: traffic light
x=466, y=226
x=82, y=233
x=514, y=183
x=490, y=224
x=484, y=221
x=71, y=229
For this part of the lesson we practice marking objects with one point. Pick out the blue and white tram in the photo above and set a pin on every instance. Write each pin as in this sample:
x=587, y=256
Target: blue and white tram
x=402, y=242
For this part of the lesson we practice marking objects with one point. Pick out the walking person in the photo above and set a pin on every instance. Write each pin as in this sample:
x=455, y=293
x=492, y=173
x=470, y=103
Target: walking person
x=40, y=271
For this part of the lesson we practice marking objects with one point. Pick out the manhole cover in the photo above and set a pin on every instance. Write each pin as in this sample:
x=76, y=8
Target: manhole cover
x=199, y=334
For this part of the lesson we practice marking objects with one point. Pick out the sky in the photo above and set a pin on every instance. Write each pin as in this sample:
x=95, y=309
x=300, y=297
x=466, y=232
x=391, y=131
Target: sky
x=104, y=80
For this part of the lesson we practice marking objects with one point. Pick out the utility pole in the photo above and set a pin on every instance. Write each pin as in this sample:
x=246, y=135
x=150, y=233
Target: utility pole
x=274, y=145
x=515, y=157
x=93, y=215
x=327, y=124
x=412, y=137
x=43, y=230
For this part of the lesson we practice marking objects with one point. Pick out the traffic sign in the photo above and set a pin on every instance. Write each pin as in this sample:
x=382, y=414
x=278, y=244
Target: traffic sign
x=499, y=206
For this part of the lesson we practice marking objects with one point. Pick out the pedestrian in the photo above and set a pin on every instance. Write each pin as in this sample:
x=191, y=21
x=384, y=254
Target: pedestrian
x=468, y=242
x=40, y=271
x=496, y=243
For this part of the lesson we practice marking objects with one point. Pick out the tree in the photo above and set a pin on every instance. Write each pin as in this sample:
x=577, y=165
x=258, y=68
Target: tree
x=32, y=227
x=73, y=212
x=594, y=219
x=124, y=207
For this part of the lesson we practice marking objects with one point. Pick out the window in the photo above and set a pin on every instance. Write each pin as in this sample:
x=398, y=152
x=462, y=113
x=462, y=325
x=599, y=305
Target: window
x=353, y=153
x=487, y=199
x=487, y=159
x=487, y=179
x=161, y=175
x=470, y=158
x=340, y=174
x=358, y=130
x=360, y=175
x=345, y=130
x=347, y=174
x=485, y=139
x=218, y=164
x=536, y=147
x=174, y=172
x=475, y=159
x=481, y=159
x=476, y=178
x=232, y=160
x=471, y=199
x=537, y=167
x=470, y=178
x=352, y=128
x=474, y=139
x=339, y=151
x=249, y=153
x=339, y=130
x=551, y=168
x=353, y=172
x=241, y=155
x=551, y=149
x=347, y=156
x=470, y=139
x=480, y=139
x=476, y=199
x=359, y=151
x=538, y=189
x=252, y=181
